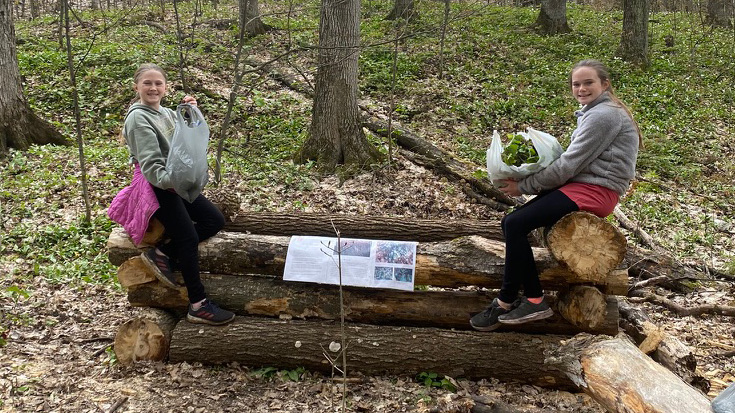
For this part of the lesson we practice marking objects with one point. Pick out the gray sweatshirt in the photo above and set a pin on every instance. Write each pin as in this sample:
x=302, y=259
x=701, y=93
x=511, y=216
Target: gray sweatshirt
x=148, y=133
x=603, y=151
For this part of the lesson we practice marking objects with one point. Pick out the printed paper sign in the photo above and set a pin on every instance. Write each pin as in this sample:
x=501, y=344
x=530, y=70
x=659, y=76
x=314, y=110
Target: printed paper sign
x=364, y=263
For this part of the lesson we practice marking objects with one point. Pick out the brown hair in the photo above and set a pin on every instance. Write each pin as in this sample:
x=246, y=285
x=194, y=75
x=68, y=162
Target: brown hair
x=604, y=74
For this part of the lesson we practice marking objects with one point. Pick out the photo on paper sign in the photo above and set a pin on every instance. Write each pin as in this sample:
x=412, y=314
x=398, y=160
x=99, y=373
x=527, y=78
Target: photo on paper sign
x=356, y=248
x=383, y=273
x=394, y=253
x=403, y=274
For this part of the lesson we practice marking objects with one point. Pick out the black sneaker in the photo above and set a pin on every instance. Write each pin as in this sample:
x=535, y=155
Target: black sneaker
x=209, y=313
x=160, y=266
x=488, y=319
x=527, y=311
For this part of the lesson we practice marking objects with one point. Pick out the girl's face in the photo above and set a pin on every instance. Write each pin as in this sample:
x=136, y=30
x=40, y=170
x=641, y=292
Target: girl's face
x=151, y=87
x=586, y=85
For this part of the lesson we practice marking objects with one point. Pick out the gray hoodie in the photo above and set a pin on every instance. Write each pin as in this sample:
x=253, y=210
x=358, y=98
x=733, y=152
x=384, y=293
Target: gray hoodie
x=148, y=133
x=603, y=151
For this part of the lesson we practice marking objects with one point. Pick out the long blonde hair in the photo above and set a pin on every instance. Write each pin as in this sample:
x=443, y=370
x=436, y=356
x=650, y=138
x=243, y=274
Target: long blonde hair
x=604, y=74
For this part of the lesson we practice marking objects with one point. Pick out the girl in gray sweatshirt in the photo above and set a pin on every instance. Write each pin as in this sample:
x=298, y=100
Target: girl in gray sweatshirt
x=591, y=175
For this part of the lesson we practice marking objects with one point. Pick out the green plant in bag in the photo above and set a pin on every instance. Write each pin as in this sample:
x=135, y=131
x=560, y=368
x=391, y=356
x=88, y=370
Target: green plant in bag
x=518, y=151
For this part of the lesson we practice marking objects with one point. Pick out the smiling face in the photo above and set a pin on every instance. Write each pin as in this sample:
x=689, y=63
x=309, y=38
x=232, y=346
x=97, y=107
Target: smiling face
x=151, y=87
x=587, y=85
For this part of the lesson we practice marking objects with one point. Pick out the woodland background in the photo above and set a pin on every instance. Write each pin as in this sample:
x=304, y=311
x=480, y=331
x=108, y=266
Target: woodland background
x=449, y=80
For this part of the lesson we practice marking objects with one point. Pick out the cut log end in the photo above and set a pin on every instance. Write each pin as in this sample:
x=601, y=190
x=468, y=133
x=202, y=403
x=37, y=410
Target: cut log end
x=587, y=244
x=146, y=337
x=583, y=306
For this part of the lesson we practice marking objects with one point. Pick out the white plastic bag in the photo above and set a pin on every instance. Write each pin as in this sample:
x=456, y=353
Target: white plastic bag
x=547, y=148
x=187, y=158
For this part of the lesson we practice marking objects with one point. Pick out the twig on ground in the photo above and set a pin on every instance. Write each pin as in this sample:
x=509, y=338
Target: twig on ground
x=716, y=309
x=117, y=404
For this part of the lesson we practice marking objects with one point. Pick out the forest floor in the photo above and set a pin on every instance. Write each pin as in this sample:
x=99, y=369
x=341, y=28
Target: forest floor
x=59, y=359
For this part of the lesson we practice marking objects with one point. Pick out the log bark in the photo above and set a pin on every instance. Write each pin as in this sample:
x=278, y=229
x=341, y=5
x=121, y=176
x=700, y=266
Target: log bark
x=584, y=306
x=464, y=261
x=146, y=337
x=587, y=244
x=615, y=373
x=362, y=226
x=257, y=295
x=288, y=344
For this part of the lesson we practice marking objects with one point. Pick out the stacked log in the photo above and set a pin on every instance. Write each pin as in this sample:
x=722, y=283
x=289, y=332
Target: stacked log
x=243, y=274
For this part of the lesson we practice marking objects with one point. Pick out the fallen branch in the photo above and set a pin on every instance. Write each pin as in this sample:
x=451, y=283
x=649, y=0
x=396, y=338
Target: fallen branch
x=715, y=309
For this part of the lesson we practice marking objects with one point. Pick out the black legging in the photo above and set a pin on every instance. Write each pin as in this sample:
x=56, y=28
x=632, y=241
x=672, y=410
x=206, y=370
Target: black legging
x=520, y=267
x=187, y=224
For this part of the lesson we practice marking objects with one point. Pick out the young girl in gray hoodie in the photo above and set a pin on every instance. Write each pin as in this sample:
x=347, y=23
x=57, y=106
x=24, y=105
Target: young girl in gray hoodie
x=148, y=130
x=591, y=175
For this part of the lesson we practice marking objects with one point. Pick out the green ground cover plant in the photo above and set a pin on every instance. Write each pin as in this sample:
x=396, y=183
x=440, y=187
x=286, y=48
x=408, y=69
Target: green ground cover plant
x=498, y=74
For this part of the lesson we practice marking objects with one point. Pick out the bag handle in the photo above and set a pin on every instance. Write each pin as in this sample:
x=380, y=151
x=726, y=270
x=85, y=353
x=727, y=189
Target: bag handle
x=189, y=115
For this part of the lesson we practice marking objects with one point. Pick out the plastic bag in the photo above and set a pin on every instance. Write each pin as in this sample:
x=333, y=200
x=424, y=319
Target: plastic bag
x=187, y=158
x=547, y=148
x=725, y=401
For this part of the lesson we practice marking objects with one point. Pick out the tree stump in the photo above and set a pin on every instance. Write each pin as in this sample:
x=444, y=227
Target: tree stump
x=153, y=234
x=615, y=373
x=587, y=244
x=583, y=306
x=146, y=337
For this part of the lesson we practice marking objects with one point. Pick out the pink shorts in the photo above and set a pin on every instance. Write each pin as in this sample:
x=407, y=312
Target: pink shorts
x=596, y=199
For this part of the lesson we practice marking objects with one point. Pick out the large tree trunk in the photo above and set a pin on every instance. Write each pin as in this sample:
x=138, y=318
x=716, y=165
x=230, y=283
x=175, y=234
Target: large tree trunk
x=371, y=349
x=335, y=135
x=720, y=13
x=362, y=226
x=461, y=262
x=250, y=18
x=253, y=295
x=623, y=379
x=634, y=40
x=552, y=18
x=19, y=126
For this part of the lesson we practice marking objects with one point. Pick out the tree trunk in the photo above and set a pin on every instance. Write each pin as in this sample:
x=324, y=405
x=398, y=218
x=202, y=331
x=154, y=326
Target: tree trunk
x=146, y=337
x=634, y=40
x=335, y=135
x=587, y=244
x=461, y=262
x=623, y=379
x=720, y=13
x=371, y=350
x=363, y=226
x=664, y=348
x=250, y=18
x=402, y=9
x=552, y=18
x=253, y=295
x=19, y=126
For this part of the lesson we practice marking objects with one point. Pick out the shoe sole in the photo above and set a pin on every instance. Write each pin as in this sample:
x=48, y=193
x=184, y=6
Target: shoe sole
x=196, y=320
x=157, y=272
x=540, y=315
x=488, y=328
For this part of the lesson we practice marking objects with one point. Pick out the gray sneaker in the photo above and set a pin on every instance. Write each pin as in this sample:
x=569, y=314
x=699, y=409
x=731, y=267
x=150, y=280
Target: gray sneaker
x=526, y=311
x=488, y=319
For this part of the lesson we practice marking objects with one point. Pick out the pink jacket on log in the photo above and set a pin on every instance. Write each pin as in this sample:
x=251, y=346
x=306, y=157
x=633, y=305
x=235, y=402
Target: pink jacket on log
x=134, y=206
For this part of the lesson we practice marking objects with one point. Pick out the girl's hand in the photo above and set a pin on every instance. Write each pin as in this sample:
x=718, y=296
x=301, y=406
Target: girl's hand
x=510, y=188
x=188, y=99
